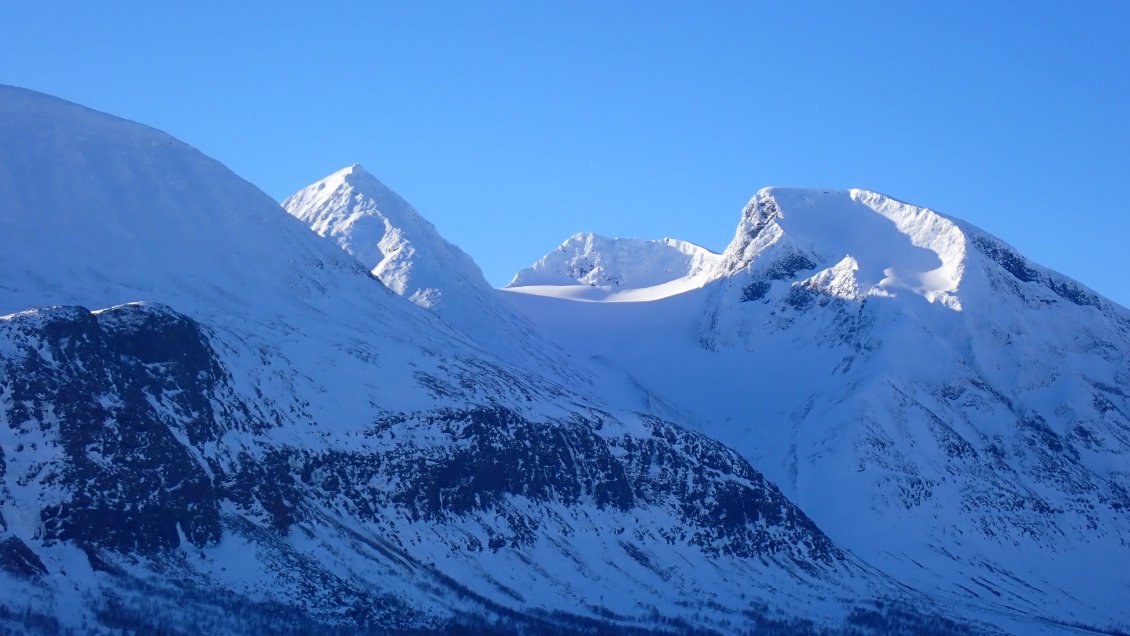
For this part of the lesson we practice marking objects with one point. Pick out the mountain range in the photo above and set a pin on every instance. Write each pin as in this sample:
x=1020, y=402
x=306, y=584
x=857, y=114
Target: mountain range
x=219, y=414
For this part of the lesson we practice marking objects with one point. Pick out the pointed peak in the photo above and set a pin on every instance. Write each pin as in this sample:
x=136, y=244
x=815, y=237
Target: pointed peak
x=356, y=176
x=350, y=181
x=356, y=170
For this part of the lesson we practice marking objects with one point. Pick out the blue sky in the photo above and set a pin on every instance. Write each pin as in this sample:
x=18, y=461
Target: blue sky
x=512, y=125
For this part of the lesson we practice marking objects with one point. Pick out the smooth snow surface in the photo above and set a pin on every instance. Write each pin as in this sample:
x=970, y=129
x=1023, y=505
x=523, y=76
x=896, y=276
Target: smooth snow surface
x=100, y=211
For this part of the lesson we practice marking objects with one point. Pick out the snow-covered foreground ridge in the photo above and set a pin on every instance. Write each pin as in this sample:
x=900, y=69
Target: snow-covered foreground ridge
x=251, y=433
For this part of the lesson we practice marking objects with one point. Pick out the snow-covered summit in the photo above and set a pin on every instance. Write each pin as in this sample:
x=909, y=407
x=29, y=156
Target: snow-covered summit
x=590, y=259
x=407, y=253
x=386, y=234
x=858, y=244
x=876, y=244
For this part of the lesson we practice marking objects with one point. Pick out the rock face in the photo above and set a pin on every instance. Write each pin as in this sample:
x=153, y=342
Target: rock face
x=249, y=433
x=123, y=481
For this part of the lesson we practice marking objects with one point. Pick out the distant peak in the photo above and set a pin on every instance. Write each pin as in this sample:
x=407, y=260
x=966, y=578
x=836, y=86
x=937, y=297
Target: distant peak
x=356, y=169
x=895, y=246
x=586, y=258
x=357, y=176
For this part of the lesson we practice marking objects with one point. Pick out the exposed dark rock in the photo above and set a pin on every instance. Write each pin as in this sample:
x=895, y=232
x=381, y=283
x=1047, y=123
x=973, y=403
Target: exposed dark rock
x=133, y=485
x=1018, y=266
x=16, y=557
x=136, y=402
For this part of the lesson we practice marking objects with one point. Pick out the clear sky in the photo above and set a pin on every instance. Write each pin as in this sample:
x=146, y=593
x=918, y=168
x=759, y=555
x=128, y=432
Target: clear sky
x=511, y=125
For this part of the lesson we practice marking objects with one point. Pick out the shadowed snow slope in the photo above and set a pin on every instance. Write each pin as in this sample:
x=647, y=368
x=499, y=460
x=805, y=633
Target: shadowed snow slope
x=85, y=219
x=271, y=441
x=941, y=405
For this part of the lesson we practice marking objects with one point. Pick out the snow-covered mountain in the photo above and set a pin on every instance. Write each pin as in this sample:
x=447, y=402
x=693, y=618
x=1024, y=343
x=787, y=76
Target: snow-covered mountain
x=213, y=420
x=616, y=263
x=945, y=408
x=404, y=250
x=387, y=235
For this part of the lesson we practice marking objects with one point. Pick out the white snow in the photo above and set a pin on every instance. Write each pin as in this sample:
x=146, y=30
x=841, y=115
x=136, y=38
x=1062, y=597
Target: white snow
x=896, y=246
x=386, y=234
x=824, y=345
x=616, y=263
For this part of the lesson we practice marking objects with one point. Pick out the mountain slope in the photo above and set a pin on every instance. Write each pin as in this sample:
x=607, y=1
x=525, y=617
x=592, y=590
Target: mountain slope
x=387, y=235
x=945, y=408
x=271, y=441
x=973, y=399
